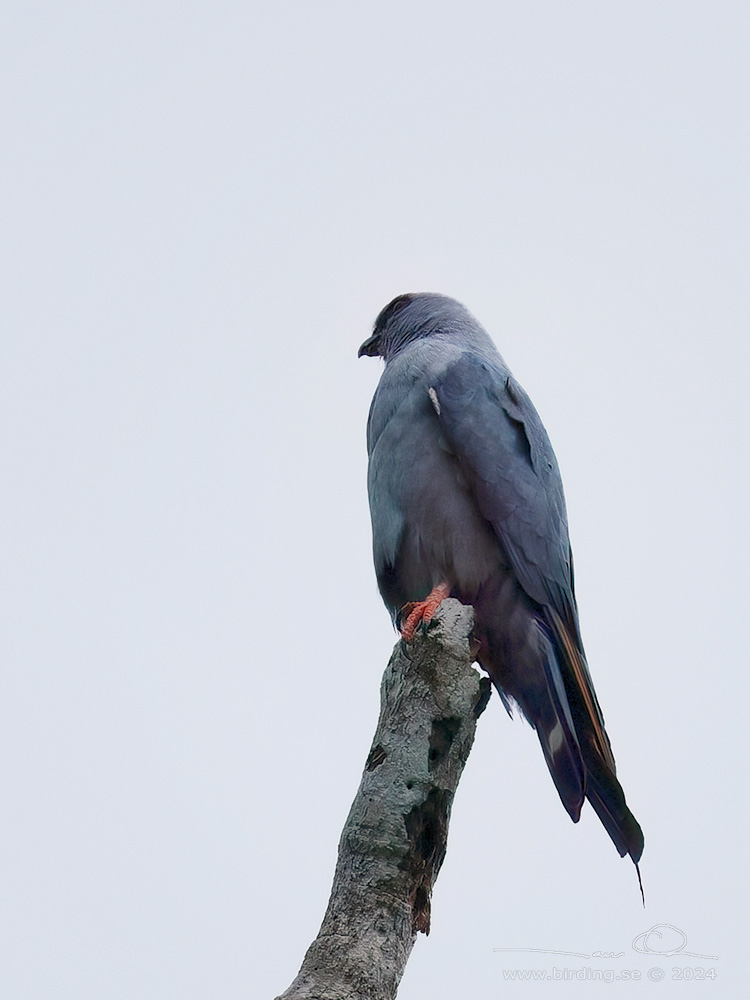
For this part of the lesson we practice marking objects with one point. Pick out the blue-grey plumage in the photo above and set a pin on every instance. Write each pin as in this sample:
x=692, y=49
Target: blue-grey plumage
x=466, y=496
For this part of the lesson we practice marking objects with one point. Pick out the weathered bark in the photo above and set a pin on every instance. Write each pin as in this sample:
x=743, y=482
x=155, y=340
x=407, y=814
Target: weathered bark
x=394, y=839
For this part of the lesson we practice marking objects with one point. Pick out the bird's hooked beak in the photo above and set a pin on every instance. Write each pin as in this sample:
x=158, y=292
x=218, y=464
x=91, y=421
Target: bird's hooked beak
x=371, y=347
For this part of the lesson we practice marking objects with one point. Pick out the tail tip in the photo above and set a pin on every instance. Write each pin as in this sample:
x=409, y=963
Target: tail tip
x=640, y=884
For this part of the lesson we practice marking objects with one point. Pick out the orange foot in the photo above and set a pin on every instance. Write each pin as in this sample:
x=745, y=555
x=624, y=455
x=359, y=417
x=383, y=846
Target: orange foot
x=422, y=611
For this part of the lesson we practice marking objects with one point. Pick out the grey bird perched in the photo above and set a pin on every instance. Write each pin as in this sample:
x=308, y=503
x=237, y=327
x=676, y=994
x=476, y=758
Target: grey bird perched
x=466, y=501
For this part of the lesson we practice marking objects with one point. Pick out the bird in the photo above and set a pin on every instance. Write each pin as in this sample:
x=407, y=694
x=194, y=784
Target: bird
x=466, y=501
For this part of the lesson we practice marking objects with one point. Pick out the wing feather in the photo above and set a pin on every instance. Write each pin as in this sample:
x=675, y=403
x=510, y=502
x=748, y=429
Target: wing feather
x=505, y=454
x=507, y=459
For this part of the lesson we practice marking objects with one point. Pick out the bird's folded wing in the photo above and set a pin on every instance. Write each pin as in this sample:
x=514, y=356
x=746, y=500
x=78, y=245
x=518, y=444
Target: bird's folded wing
x=491, y=426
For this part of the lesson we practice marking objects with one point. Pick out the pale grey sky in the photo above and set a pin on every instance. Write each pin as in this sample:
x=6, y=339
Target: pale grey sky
x=205, y=206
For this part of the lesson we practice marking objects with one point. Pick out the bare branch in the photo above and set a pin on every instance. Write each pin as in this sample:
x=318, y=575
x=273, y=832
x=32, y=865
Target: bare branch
x=394, y=839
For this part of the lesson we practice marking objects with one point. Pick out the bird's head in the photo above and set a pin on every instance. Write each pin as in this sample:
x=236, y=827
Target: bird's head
x=411, y=317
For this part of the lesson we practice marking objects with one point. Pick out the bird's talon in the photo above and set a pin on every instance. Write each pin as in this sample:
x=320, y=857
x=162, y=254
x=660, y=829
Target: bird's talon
x=419, y=613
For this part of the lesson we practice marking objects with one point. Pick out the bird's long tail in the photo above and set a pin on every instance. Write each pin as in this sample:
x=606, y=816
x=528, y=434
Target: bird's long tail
x=545, y=672
x=572, y=692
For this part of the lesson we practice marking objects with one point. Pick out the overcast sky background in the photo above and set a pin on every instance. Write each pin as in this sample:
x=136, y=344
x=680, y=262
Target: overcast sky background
x=205, y=206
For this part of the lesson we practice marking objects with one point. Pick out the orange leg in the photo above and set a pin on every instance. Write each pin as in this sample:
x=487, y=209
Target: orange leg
x=422, y=611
